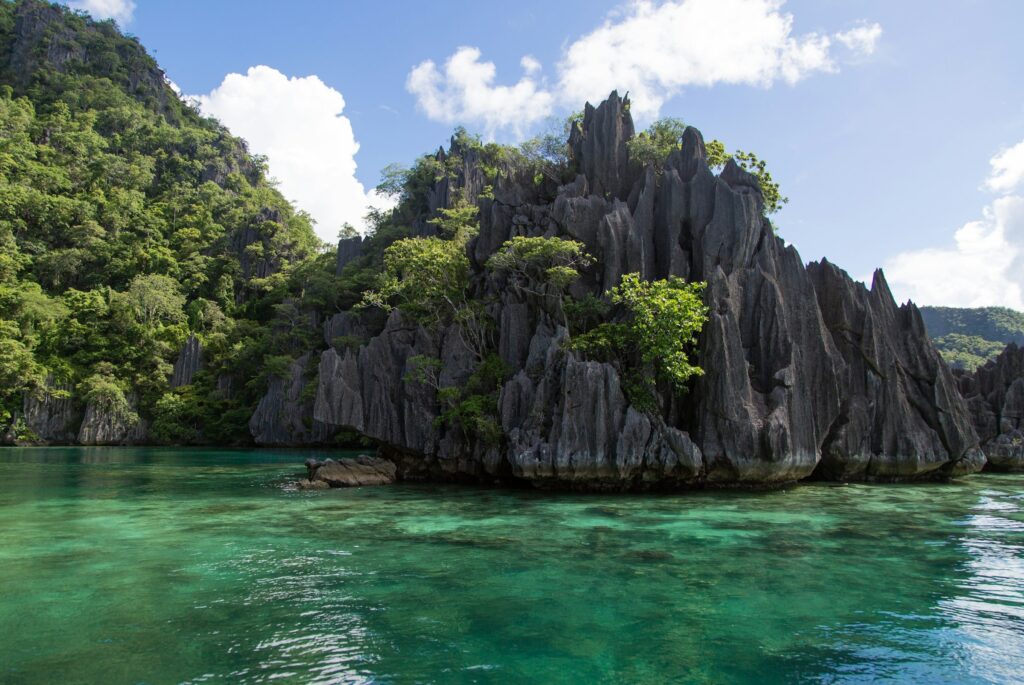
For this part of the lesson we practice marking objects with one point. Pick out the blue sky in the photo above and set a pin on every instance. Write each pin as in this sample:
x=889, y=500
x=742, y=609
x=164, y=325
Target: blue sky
x=886, y=141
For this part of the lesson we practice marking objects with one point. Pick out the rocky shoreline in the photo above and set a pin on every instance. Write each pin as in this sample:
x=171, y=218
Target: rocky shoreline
x=808, y=374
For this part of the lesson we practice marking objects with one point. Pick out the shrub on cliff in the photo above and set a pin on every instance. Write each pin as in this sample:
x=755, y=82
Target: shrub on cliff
x=662, y=321
x=541, y=266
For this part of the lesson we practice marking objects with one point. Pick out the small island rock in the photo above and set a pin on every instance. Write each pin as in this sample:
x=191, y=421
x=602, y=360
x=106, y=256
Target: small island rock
x=344, y=473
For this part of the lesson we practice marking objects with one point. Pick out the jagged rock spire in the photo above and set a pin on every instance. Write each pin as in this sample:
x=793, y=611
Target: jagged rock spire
x=599, y=147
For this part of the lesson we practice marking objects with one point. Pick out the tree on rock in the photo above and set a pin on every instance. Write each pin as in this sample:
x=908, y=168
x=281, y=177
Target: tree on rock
x=542, y=266
x=661, y=322
x=663, y=137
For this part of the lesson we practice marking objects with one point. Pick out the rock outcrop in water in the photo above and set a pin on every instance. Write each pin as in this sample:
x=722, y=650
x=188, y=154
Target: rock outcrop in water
x=995, y=398
x=901, y=413
x=347, y=473
x=807, y=372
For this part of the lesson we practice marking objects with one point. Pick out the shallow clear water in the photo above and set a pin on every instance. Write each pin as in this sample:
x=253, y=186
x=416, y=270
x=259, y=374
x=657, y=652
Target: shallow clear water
x=166, y=566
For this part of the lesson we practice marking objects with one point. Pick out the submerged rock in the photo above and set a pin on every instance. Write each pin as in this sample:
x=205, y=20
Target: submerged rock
x=344, y=473
x=306, y=484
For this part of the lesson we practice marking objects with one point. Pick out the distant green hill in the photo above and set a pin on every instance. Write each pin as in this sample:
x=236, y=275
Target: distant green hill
x=967, y=338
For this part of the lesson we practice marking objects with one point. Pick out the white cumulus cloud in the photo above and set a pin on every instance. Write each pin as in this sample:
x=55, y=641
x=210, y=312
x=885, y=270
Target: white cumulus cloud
x=1007, y=169
x=530, y=64
x=861, y=39
x=120, y=11
x=310, y=147
x=653, y=50
x=985, y=266
x=979, y=270
x=464, y=91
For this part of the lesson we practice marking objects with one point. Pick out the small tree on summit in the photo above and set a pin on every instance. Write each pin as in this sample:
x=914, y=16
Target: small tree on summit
x=654, y=145
x=663, y=137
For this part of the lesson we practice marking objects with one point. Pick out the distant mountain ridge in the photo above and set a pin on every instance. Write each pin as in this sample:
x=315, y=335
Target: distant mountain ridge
x=969, y=337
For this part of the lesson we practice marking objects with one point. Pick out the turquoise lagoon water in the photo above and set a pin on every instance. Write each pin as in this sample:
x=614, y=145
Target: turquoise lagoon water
x=172, y=566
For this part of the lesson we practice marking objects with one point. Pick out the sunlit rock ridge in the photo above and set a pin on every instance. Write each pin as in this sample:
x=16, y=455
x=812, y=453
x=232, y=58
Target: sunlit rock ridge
x=808, y=373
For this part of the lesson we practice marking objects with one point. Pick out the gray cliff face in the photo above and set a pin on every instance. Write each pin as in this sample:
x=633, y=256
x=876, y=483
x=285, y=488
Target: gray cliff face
x=55, y=416
x=51, y=414
x=283, y=414
x=568, y=423
x=902, y=415
x=189, y=361
x=349, y=249
x=599, y=145
x=468, y=182
x=807, y=373
x=365, y=390
x=995, y=396
x=101, y=427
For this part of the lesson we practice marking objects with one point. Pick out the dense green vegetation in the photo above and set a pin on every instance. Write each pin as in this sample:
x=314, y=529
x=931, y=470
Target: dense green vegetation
x=128, y=221
x=967, y=338
x=428, y=279
x=540, y=266
x=657, y=331
x=1000, y=324
x=653, y=327
x=967, y=351
x=424, y=277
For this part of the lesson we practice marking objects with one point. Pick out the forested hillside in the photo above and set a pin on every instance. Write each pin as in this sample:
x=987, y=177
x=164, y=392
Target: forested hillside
x=129, y=222
x=967, y=338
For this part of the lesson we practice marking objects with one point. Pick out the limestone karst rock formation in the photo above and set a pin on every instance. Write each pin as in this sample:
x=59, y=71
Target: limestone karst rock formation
x=189, y=361
x=50, y=414
x=100, y=426
x=807, y=372
x=995, y=398
x=348, y=250
x=282, y=415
